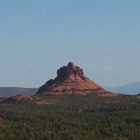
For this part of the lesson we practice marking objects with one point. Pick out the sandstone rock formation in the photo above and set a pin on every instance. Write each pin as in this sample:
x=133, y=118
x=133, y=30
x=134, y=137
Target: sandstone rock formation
x=18, y=98
x=70, y=79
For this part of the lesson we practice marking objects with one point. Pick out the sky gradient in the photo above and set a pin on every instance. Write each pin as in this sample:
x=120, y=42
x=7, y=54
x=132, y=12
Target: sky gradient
x=37, y=37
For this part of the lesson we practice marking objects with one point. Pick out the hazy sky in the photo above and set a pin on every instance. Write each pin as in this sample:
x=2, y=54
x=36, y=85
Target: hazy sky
x=37, y=37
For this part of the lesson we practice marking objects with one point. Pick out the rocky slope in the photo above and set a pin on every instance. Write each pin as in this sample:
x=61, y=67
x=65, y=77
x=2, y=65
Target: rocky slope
x=18, y=98
x=70, y=79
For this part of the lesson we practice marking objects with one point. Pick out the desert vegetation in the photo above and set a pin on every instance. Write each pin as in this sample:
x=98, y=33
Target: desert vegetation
x=71, y=117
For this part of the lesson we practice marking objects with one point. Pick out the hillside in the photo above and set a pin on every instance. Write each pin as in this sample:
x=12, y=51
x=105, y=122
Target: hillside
x=12, y=91
x=72, y=117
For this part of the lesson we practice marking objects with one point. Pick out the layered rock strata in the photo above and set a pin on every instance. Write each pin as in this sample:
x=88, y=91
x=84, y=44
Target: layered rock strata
x=70, y=79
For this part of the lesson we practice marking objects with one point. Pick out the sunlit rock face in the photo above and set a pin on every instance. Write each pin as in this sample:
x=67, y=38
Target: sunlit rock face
x=70, y=79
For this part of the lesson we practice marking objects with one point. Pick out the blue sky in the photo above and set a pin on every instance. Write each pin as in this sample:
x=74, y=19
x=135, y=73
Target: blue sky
x=39, y=36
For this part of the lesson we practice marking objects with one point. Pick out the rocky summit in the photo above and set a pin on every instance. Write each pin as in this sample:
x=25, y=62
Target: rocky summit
x=70, y=79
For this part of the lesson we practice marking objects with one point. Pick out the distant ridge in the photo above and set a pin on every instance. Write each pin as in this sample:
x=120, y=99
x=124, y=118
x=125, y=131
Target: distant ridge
x=12, y=91
x=132, y=88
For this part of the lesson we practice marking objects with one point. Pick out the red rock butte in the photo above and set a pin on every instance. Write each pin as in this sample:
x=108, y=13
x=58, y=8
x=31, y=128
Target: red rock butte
x=70, y=79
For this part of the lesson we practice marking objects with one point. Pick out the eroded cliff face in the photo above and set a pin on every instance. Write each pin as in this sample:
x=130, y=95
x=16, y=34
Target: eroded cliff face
x=70, y=72
x=70, y=79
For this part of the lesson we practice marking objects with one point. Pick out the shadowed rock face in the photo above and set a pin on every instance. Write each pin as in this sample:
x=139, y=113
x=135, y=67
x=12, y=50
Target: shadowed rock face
x=70, y=71
x=70, y=79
